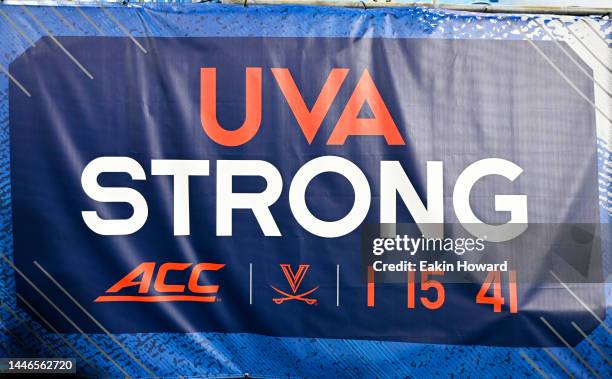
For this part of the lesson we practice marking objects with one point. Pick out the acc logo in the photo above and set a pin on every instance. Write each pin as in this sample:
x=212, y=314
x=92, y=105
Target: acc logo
x=143, y=275
x=295, y=280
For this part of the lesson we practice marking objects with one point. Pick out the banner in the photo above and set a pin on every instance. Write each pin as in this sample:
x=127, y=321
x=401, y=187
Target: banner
x=216, y=190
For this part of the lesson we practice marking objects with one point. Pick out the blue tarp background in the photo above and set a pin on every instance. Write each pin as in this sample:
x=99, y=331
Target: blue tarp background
x=229, y=355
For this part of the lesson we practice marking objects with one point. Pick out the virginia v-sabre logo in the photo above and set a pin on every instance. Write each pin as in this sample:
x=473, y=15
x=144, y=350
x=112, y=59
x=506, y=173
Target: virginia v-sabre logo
x=295, y=280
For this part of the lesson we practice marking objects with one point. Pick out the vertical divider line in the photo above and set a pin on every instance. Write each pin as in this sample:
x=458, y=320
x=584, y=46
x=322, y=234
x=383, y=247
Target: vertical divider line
x=337, y=285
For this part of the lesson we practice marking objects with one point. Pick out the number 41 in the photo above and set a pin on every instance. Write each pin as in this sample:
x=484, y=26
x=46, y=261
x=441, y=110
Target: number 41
x=497, y=300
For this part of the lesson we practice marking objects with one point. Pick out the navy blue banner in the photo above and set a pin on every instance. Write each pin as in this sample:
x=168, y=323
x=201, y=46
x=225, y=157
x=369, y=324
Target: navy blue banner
x=235, y=122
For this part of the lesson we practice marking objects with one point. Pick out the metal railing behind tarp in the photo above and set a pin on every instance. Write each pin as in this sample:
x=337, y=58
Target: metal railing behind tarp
x=594, y=7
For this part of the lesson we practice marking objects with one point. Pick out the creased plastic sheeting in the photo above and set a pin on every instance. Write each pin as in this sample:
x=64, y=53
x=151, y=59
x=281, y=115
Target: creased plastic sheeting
x=67, y=98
